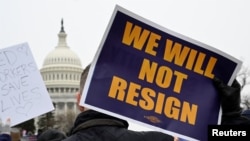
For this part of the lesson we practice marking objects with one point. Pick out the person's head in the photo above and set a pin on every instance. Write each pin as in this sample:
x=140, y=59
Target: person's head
x=51, y=135
x=82, y=83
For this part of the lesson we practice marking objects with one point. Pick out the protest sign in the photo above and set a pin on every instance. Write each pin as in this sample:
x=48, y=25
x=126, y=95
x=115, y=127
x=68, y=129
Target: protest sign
x=23, y=94
x=148, y=74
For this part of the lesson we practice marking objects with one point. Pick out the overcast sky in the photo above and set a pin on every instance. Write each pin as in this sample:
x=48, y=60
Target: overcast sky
x=223, y=24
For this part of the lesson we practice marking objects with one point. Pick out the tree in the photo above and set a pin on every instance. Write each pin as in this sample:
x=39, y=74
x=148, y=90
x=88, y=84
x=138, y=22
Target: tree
x=29, y=126
x=47, y=120
x=245, y=101
x=244, y=78
x=66, y=121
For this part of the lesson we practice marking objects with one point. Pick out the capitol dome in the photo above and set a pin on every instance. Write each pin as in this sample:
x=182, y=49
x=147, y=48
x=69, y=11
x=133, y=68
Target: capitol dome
x=61, y=72
x=62, y=55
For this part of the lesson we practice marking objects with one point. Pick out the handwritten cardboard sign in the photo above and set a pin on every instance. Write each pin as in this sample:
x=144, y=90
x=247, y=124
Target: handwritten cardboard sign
x=146, y=73
x=23, y=94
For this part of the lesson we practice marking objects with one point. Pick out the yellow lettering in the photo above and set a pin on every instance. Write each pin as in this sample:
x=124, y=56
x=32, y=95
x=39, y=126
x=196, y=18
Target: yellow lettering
x=160, y=102
x=135, y=35
x=118, y=88
x=175, y=52
x=147, y=99
x=198, y=65
x=172, y=107
x=152, y=44
x=162, y=77
x=138, y=36
x=191, y=59
x=147, y=71
x=210, y=67
x=147, y=102
x=189, y=113
x=132, y=93
x=179, y=80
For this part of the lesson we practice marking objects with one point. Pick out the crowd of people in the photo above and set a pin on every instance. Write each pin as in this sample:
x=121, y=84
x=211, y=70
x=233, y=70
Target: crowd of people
x=95, y=126
x=8, y=133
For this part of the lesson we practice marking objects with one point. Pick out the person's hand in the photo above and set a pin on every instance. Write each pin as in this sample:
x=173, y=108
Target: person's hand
x=176, y=139
x=5, y=127
x=5, y=131
x=230, y=97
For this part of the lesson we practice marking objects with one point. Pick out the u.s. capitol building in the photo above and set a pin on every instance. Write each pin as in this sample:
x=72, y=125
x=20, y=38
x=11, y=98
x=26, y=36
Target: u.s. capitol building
x=61, y=73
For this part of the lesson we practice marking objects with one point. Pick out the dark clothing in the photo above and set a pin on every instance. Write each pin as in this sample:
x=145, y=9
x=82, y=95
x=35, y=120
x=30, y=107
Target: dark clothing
x=5, y=137
x=94, y=126
x=242, y=119
x=51, y=135
x=230, y=98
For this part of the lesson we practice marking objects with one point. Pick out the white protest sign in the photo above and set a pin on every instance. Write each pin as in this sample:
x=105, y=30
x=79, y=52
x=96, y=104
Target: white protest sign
x=23, y=94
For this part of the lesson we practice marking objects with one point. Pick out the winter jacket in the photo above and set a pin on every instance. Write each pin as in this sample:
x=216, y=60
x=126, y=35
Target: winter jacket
x=94, y=126
x=5, y=137
x=242, y=119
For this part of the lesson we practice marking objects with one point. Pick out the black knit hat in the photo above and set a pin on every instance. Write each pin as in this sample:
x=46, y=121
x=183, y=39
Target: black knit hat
x=51, y=135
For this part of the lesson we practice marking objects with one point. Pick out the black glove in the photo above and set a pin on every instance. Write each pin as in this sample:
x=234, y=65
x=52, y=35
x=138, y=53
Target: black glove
x=230, y=98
